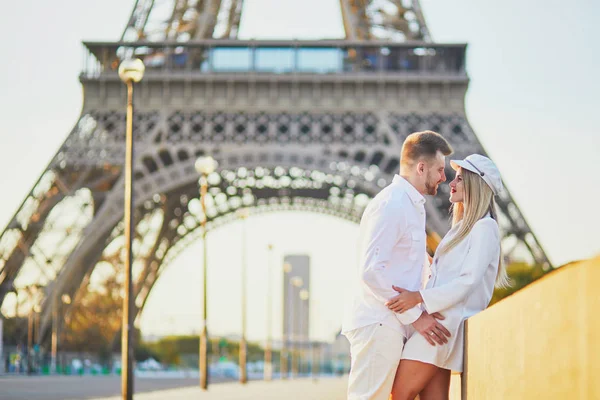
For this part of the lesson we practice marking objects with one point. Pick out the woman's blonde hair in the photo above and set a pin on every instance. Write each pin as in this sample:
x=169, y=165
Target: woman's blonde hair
x=478, y=201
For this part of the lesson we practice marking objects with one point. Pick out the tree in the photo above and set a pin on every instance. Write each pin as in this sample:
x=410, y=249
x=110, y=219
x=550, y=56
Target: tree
x=14, y=331
x=94, y=320
x=521, y=275
x=171, y=349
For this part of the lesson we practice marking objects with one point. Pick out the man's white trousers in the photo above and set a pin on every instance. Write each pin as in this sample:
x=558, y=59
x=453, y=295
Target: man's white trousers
x=375, y=351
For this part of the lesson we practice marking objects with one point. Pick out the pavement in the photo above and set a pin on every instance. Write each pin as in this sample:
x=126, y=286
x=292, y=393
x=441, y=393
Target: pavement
x=80, y=387
x=331, y=388
x=109, y=388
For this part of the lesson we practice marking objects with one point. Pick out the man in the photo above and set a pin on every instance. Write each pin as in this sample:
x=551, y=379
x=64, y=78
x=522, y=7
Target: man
x=393, y=250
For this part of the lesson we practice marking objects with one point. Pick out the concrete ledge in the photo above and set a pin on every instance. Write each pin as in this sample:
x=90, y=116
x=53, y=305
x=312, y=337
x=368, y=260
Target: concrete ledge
x=543, y=342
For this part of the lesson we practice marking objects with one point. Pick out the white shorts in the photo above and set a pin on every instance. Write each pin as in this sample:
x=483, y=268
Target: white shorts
x=375, y=352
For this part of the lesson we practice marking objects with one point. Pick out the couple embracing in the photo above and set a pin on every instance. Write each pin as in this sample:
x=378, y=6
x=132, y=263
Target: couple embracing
x=405, y=322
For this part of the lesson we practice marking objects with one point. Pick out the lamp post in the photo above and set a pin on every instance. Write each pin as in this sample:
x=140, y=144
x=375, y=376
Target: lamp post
x=56, y=303
x=37, y=338
x=269, y=345
x=130, y=71
x=296, y=282
x=303, y=309
x=54, y=345
x=37, y=310
x=32, y=334
x=316, y=356
x=287, y=269
x=204, y=166
x=29, y=340
x=243, y=356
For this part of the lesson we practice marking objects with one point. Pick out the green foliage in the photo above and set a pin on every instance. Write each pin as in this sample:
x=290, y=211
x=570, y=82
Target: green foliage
x=94, y=324
x=169, y=348
x=178, y=350
x=15, y=331
x=521, y=275
x=142, y=352
x=94, y=320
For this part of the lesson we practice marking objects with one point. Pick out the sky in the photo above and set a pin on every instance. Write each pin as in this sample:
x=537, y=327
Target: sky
x=532, y=102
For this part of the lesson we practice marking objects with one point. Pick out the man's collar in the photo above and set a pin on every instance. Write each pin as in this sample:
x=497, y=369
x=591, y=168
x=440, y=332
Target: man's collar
x=415, y=196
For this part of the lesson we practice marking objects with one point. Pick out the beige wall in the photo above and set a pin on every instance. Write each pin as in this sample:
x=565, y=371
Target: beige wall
x=541, y=343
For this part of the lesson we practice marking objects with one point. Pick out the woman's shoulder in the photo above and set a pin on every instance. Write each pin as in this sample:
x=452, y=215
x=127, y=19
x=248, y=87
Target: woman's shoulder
x=486, y=226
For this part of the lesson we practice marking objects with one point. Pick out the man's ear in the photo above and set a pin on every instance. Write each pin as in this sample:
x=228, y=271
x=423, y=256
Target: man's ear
x=420, y=167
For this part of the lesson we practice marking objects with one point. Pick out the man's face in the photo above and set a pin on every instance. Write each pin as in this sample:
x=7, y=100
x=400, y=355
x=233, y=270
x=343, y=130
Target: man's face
x=433, y=173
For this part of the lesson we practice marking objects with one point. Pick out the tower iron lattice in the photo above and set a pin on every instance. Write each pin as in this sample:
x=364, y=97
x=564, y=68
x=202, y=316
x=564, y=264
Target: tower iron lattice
x=295, y=125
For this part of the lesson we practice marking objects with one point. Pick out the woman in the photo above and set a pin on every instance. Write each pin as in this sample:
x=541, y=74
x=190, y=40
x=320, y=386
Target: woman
x=465, y=269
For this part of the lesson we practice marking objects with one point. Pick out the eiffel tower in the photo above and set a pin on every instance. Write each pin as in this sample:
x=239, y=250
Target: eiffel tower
x=294, y=124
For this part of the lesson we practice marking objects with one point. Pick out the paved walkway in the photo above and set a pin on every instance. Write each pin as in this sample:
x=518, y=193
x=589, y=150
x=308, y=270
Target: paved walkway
x=323, y=389
x=58, y=387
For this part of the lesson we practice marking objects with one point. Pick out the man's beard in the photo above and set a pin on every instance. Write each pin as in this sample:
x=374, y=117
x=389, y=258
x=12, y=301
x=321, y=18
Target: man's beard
x=431, y=189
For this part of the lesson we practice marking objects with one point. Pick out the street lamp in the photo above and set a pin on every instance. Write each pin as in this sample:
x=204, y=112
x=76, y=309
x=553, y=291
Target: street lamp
x=32, y=335
x=243, y=215
x=66, y=299
x=54, y=344
x=316, y=360
x=303, y=298
x=37, y=337
x=204, y=166
x=268, y=371
x=37, y=310
x=297, y=282
x=287, y=269
x=130, y=71
x=29, y=341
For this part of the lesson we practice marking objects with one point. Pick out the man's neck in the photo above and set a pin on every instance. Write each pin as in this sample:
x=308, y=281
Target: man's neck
x=412, y=180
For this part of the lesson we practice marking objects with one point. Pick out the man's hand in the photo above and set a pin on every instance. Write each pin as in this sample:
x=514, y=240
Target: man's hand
x=432, y=331
x=437, y=315
x=404, y=301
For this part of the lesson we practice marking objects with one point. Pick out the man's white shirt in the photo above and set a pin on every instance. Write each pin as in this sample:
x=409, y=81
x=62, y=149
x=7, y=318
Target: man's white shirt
x=392, y=249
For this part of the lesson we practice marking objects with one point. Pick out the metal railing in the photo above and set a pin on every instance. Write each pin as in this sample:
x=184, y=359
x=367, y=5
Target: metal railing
x=278, y=57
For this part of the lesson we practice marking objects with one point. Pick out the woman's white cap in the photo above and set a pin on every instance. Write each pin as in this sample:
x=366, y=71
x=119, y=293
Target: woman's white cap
x=483, y=167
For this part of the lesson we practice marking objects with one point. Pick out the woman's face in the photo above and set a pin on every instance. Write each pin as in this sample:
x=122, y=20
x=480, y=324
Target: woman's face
x=457, y=188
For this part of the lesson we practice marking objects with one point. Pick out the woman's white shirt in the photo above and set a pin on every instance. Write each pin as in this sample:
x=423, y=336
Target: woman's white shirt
x=461, y=285
x=465, y=276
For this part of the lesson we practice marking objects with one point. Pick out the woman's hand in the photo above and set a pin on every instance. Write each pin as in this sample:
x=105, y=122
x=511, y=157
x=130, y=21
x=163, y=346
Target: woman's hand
x=404, y=301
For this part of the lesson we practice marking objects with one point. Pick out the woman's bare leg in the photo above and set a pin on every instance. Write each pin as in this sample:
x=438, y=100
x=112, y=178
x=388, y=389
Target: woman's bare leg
x=438, y=388
x=411, y=378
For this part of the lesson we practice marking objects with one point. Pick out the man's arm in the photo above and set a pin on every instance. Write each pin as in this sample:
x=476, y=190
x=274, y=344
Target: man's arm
x=386, y=227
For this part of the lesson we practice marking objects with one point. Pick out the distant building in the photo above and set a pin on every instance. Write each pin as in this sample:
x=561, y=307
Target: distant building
x=340, y=354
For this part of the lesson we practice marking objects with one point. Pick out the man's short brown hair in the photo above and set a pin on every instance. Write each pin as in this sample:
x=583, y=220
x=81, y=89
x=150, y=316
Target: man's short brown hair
x=423, y=145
